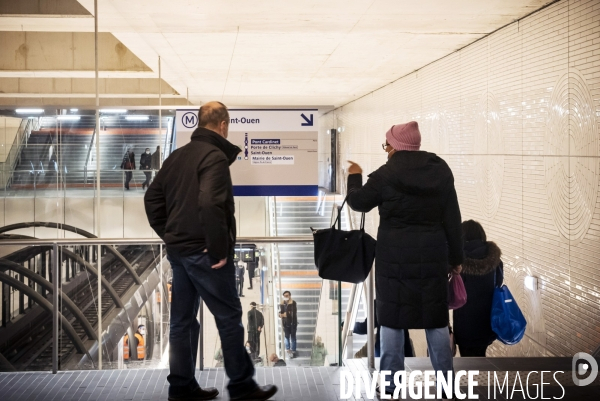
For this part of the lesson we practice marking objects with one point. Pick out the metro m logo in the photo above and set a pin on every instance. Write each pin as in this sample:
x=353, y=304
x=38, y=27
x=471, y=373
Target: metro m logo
x=189, y=120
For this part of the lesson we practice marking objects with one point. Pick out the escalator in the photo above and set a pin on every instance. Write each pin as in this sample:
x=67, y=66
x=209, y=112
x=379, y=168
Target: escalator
x=129, y=273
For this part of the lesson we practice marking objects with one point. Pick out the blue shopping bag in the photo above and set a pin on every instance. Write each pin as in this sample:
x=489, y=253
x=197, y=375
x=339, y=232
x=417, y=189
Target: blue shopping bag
x=508, y=321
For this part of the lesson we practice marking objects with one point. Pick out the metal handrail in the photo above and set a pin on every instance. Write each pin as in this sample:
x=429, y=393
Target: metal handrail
x=140, y=241
x=14, y=153
x=87, y=158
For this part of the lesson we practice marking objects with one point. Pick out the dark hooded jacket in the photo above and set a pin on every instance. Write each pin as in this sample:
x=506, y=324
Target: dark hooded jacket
x=472, y=322
x=190, y=202
x=419, y=236
x=255, y=320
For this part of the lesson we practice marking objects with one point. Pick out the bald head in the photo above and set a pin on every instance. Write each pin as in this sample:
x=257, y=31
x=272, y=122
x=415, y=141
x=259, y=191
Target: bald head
x=215, y=117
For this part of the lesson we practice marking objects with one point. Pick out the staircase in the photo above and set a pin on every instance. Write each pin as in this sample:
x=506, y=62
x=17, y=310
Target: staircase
x=293, y=217
x=62, y=151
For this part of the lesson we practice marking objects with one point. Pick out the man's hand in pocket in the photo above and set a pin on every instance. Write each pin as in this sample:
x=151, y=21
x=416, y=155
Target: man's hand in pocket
x=220, y=264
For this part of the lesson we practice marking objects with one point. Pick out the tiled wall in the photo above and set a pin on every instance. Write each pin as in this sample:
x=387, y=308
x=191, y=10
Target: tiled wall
x=517, y=117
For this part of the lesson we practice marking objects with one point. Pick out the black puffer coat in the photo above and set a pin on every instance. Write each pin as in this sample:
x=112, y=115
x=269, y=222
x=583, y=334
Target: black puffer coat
x=419, y=236
x=472, y=322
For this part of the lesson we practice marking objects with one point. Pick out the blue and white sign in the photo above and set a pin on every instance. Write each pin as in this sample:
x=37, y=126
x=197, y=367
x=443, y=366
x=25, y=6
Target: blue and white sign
x=279, y=149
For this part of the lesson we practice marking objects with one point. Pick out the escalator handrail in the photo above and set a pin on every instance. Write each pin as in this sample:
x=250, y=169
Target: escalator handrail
x=75, y=230
x=73, y=308
x=105, y=283
x=44, y=303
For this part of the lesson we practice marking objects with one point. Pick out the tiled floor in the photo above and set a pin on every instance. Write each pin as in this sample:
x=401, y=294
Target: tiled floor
x=295, y=383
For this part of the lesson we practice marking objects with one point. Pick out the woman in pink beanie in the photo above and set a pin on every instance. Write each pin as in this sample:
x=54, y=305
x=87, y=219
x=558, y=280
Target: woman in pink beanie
x=419, y=236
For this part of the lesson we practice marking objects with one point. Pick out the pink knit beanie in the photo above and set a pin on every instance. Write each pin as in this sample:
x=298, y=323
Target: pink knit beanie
x=404, y=136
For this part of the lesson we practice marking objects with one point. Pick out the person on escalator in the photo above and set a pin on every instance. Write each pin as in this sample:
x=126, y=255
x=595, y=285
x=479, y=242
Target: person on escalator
x=146, y=167
x=190, y=206
x=128, y=164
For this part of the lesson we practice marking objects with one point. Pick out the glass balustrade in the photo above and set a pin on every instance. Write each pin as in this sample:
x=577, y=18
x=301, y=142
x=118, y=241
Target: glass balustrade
x=51, y=297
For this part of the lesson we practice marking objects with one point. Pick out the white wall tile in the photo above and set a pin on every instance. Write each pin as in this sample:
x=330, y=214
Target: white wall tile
x=517, y=117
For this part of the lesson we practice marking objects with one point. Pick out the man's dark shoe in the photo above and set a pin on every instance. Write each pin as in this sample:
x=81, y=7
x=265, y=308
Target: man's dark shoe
x=198, y=395
x=261, y=393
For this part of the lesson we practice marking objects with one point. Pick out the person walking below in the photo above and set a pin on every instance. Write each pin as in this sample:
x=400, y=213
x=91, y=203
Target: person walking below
x=146, y=167
x=190, y=206
x=482, y=269
x=251, y=267
x=419, y=236
x=256, y=323
x=128, y=164
x=288, y=313
x=239, y=279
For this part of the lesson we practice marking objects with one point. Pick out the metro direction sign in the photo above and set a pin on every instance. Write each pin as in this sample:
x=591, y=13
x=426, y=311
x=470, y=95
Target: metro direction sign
x=279, y=149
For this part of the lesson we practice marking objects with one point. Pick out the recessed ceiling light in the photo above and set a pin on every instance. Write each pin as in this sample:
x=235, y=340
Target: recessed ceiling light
x=137, y=118
x=115, y=111
x=74, y=110
x=29, y=111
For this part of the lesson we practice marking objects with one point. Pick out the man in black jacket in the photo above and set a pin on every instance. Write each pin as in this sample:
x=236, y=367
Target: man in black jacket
x=256, y=322
x=190, y=206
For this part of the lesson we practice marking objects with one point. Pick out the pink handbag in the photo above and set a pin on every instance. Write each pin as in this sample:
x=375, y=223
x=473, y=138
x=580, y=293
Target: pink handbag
x=457, y=294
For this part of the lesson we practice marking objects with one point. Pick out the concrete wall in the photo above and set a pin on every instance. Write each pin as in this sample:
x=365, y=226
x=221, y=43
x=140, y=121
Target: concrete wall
x=517, y=117
x=8, y=130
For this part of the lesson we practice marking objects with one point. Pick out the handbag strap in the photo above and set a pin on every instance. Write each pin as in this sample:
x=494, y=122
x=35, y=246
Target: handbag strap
x=495, y=274
x=338, y=220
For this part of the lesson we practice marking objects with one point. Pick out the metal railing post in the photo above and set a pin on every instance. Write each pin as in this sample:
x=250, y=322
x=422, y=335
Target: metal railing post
x=97, y=217
x=347, y=319
x=99, y=268
x=370, y=322
x=55, y=308
x=163, y=300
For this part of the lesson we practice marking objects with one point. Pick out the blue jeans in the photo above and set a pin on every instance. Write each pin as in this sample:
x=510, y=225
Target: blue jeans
x=193, y=278
x=290, y=337
x=392, y=351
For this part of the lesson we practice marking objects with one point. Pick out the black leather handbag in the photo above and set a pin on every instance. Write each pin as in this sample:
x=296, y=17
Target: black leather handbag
x=344, y=255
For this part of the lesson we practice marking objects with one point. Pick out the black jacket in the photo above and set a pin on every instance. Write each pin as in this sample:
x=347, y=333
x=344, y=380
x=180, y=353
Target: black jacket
x=190, y=202
x=255, y=320
x=419, y=235
x=146, y=161
x=472, y=322
x=291, y=312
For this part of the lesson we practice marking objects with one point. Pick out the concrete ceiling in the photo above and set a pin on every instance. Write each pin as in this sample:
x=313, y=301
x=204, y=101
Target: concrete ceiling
x=252, y=52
